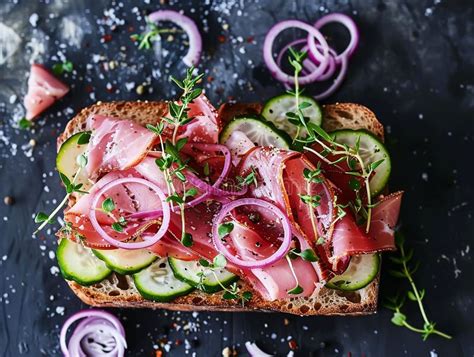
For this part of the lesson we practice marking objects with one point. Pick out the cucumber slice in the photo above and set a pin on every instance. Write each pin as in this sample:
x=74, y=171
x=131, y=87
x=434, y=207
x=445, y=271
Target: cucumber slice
x=276, y=108
x=158, y=283
x=371, y=150
x=66, y=160
x=258, y=130
x=125, y=261
x=77, y=263
x=188, y=271
x=361, y=271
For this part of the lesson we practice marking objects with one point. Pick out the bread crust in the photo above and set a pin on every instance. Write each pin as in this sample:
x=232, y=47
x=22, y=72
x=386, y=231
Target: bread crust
x=119, y=291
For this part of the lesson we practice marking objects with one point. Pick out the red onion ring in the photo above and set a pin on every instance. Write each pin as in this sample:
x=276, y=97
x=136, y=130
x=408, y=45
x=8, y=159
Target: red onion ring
x=343, y=20
x=92, y=322
x=337, y=82
x=281, y=251
x=135, y=245
x=193, y=55
x=273, y=66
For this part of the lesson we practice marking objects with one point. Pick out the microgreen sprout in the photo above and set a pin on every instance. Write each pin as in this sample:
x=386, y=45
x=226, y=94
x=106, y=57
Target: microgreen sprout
x=231, y=292
x=60, y=68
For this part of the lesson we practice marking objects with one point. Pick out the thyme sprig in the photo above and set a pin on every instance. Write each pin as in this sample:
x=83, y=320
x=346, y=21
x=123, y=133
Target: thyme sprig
x=70, y=186
x=316, y=134
x=151, y=35
x=405, y=270
x=170, y=162
x=232, y=292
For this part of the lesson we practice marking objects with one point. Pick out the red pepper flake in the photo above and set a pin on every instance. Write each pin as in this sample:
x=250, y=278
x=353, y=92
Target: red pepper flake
x=89, y=88
x=293, y=345
x=111, y=89
x=106, y=38
x=221, y=38
x=220, y=90
x=131, y=29
x=178, y=342
x=250, y=39
x=158, y=353
x=210, y=79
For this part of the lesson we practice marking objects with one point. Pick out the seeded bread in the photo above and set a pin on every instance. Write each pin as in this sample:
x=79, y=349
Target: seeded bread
x=120, y=291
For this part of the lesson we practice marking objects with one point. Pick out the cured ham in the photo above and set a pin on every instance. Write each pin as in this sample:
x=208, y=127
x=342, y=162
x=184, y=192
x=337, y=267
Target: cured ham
x=116, y=144
x=204, y=128
x=43, y=90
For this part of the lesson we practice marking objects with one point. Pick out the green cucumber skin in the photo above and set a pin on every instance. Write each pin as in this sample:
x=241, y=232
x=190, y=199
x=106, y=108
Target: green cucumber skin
x=361, y=285
x=70, y=276
x=388, y=162
x=118, y=269
x=228, y=128
x=210, y=289
x=160, y=298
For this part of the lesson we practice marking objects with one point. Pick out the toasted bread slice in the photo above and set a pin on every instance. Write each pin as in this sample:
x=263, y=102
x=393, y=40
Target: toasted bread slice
x=120, y=291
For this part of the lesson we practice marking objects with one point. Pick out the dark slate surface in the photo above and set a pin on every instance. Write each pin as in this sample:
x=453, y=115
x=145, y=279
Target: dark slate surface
x=414, y=68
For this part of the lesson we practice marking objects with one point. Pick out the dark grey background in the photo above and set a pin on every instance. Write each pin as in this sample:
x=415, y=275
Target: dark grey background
x=414, y=68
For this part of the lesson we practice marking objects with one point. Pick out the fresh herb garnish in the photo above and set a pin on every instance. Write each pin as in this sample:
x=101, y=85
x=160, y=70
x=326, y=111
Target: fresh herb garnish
x=308, y=254
x=170, y=161
x=25, y=124
x=84, y=138
x=405, y=270
x=251, y=178
x=60, y=68
x=108, y=205
x=297, y=289
x=70, y=186
x=151, y=35
x=230, y=293
x=351, y=155
x=224, y=229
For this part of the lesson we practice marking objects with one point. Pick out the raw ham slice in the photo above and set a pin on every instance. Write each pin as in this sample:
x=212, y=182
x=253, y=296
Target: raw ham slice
x=116, y=144
x=204, y=128
x=239, y=144
x=168, y=246
x=43, y=90
x=349, y=239
x=128, y=198
x=273, y=281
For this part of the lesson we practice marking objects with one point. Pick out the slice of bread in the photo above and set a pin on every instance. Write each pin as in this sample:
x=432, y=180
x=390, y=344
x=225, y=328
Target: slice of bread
x=120, y=291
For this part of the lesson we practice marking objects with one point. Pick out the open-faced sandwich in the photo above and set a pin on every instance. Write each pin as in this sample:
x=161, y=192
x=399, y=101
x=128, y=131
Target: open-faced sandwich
x=274, y=207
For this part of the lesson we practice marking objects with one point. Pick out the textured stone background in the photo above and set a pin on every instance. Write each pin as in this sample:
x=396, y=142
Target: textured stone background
x=414, y=68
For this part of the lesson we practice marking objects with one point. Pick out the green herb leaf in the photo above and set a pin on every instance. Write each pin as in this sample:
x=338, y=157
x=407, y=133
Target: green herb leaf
x=229, y=296
x=398, y=319
x=41, y=217
x=60, y=68
x=246, y=296
x=116, y=226
x=187, y=240
x=108, y=205
x=219, y=261
x=206, y=171
x=224, y=229
x=296, y=290
x=375, y=164
x=204, y=263
x=411, y=296
x=304, y=105
x=354, y=184
x=180, y=143
x=308, y=255
x=191, y=192
x=25, y=123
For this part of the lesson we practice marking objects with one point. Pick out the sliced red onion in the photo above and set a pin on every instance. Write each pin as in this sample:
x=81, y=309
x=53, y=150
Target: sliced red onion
x=216, y=148
x=165, y=211
x=337, y=82
x=313, y=33
x=255, y=351
x=310, y=64
x=189, y=26
x=279, y=253
x=98, y=334
x=343, y=20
